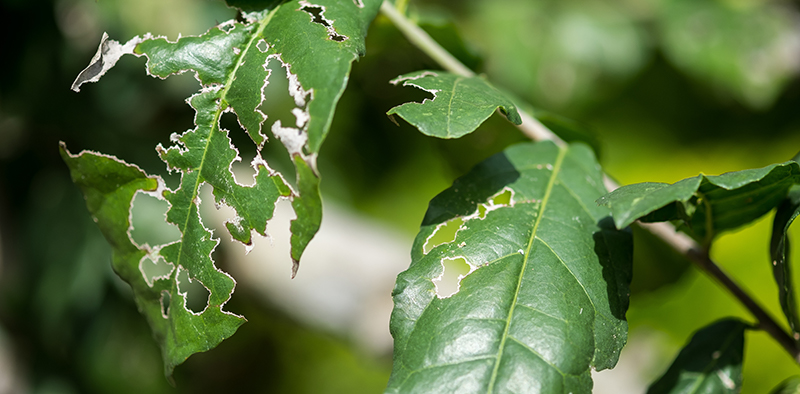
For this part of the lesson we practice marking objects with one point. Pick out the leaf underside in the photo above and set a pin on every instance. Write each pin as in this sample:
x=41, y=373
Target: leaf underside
x=785, y=215
x=710, y=363
x=706, y=205
x=459, y=106
x=548, y=289
x=317, y=44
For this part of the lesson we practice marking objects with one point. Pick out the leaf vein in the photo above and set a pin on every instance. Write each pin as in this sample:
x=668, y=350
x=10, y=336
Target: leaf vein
x=548, y=191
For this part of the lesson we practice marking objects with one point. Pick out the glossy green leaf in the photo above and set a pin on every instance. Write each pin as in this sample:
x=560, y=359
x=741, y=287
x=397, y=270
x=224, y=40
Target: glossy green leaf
x=789, y=386
x=707, y=205
x=459, y=104
x=710, y=363
x=546, y=292
x=779, y=252
x=316, y=43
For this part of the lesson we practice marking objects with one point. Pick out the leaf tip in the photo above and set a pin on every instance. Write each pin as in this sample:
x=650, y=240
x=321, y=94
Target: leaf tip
x=512, y=114
x=108, y=53
x=295, y=267
x=390, y=114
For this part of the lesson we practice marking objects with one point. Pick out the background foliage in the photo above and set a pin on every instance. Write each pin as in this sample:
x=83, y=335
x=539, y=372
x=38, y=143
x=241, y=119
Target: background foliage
x=667, y=102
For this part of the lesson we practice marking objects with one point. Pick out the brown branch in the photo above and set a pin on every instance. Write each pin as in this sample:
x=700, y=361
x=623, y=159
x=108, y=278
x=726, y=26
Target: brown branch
x=699, y=256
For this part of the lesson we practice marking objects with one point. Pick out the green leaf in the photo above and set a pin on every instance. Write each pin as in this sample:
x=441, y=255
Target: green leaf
x=109, y=186
x=546, y=292
x=460, y=104
x=317, y=44
x=789, y=386
x=779, y=252
x=707, y=205
x=710, y=363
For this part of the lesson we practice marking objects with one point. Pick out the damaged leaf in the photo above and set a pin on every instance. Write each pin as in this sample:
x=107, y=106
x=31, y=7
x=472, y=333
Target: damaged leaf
x=316, y=44
x=459, y=105
x=545, y=298
x=706, y=205
x=108, y=54
x=710, y=363
x=109, y=186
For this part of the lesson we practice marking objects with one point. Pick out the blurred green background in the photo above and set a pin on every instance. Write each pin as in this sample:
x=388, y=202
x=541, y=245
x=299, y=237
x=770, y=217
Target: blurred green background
x=672, y=88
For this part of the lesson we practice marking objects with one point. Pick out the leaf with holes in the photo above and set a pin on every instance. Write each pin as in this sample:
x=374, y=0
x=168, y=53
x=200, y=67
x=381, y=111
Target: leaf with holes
x=109, y=186
x=316, y=43
x=786, y=213
x=459, y=104
x=710, y=363
x=545, y=296
x=706, y=205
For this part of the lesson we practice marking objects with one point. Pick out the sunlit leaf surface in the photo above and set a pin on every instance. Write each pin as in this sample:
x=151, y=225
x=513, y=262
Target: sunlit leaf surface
x=460, y=104
x=707, y=205
x=545, y=296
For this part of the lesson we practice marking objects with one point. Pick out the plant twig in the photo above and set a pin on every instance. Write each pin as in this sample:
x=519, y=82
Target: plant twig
x=665, y=231
x=699, y=256
x=424, y=42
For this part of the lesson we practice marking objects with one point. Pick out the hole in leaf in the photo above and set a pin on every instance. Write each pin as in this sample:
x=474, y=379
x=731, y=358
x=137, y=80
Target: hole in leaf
x=149, y=221
x=444, y=233
x=155, y=270
x=448, y=283
x=503, y=198
x=243, y=172
x=279, y=106
x=316, y=16
x=482, y=211
x=195, y=295
x=212, y=214
x=262, y=45
x=165, y=300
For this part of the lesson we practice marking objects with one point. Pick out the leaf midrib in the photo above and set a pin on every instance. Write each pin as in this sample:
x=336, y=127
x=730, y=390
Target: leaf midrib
x=545, y=199
x=450, y=105
x=220, y=108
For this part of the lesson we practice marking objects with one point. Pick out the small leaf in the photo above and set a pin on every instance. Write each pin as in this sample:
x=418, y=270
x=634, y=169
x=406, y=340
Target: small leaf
x=779, y=252
x=546, y=293
x=460, y=104
x=789, y=386
x=710, y=363
x=707, y=205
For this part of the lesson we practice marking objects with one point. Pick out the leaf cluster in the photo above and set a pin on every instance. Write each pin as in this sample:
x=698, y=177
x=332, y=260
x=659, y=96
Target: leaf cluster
x=548, y=248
